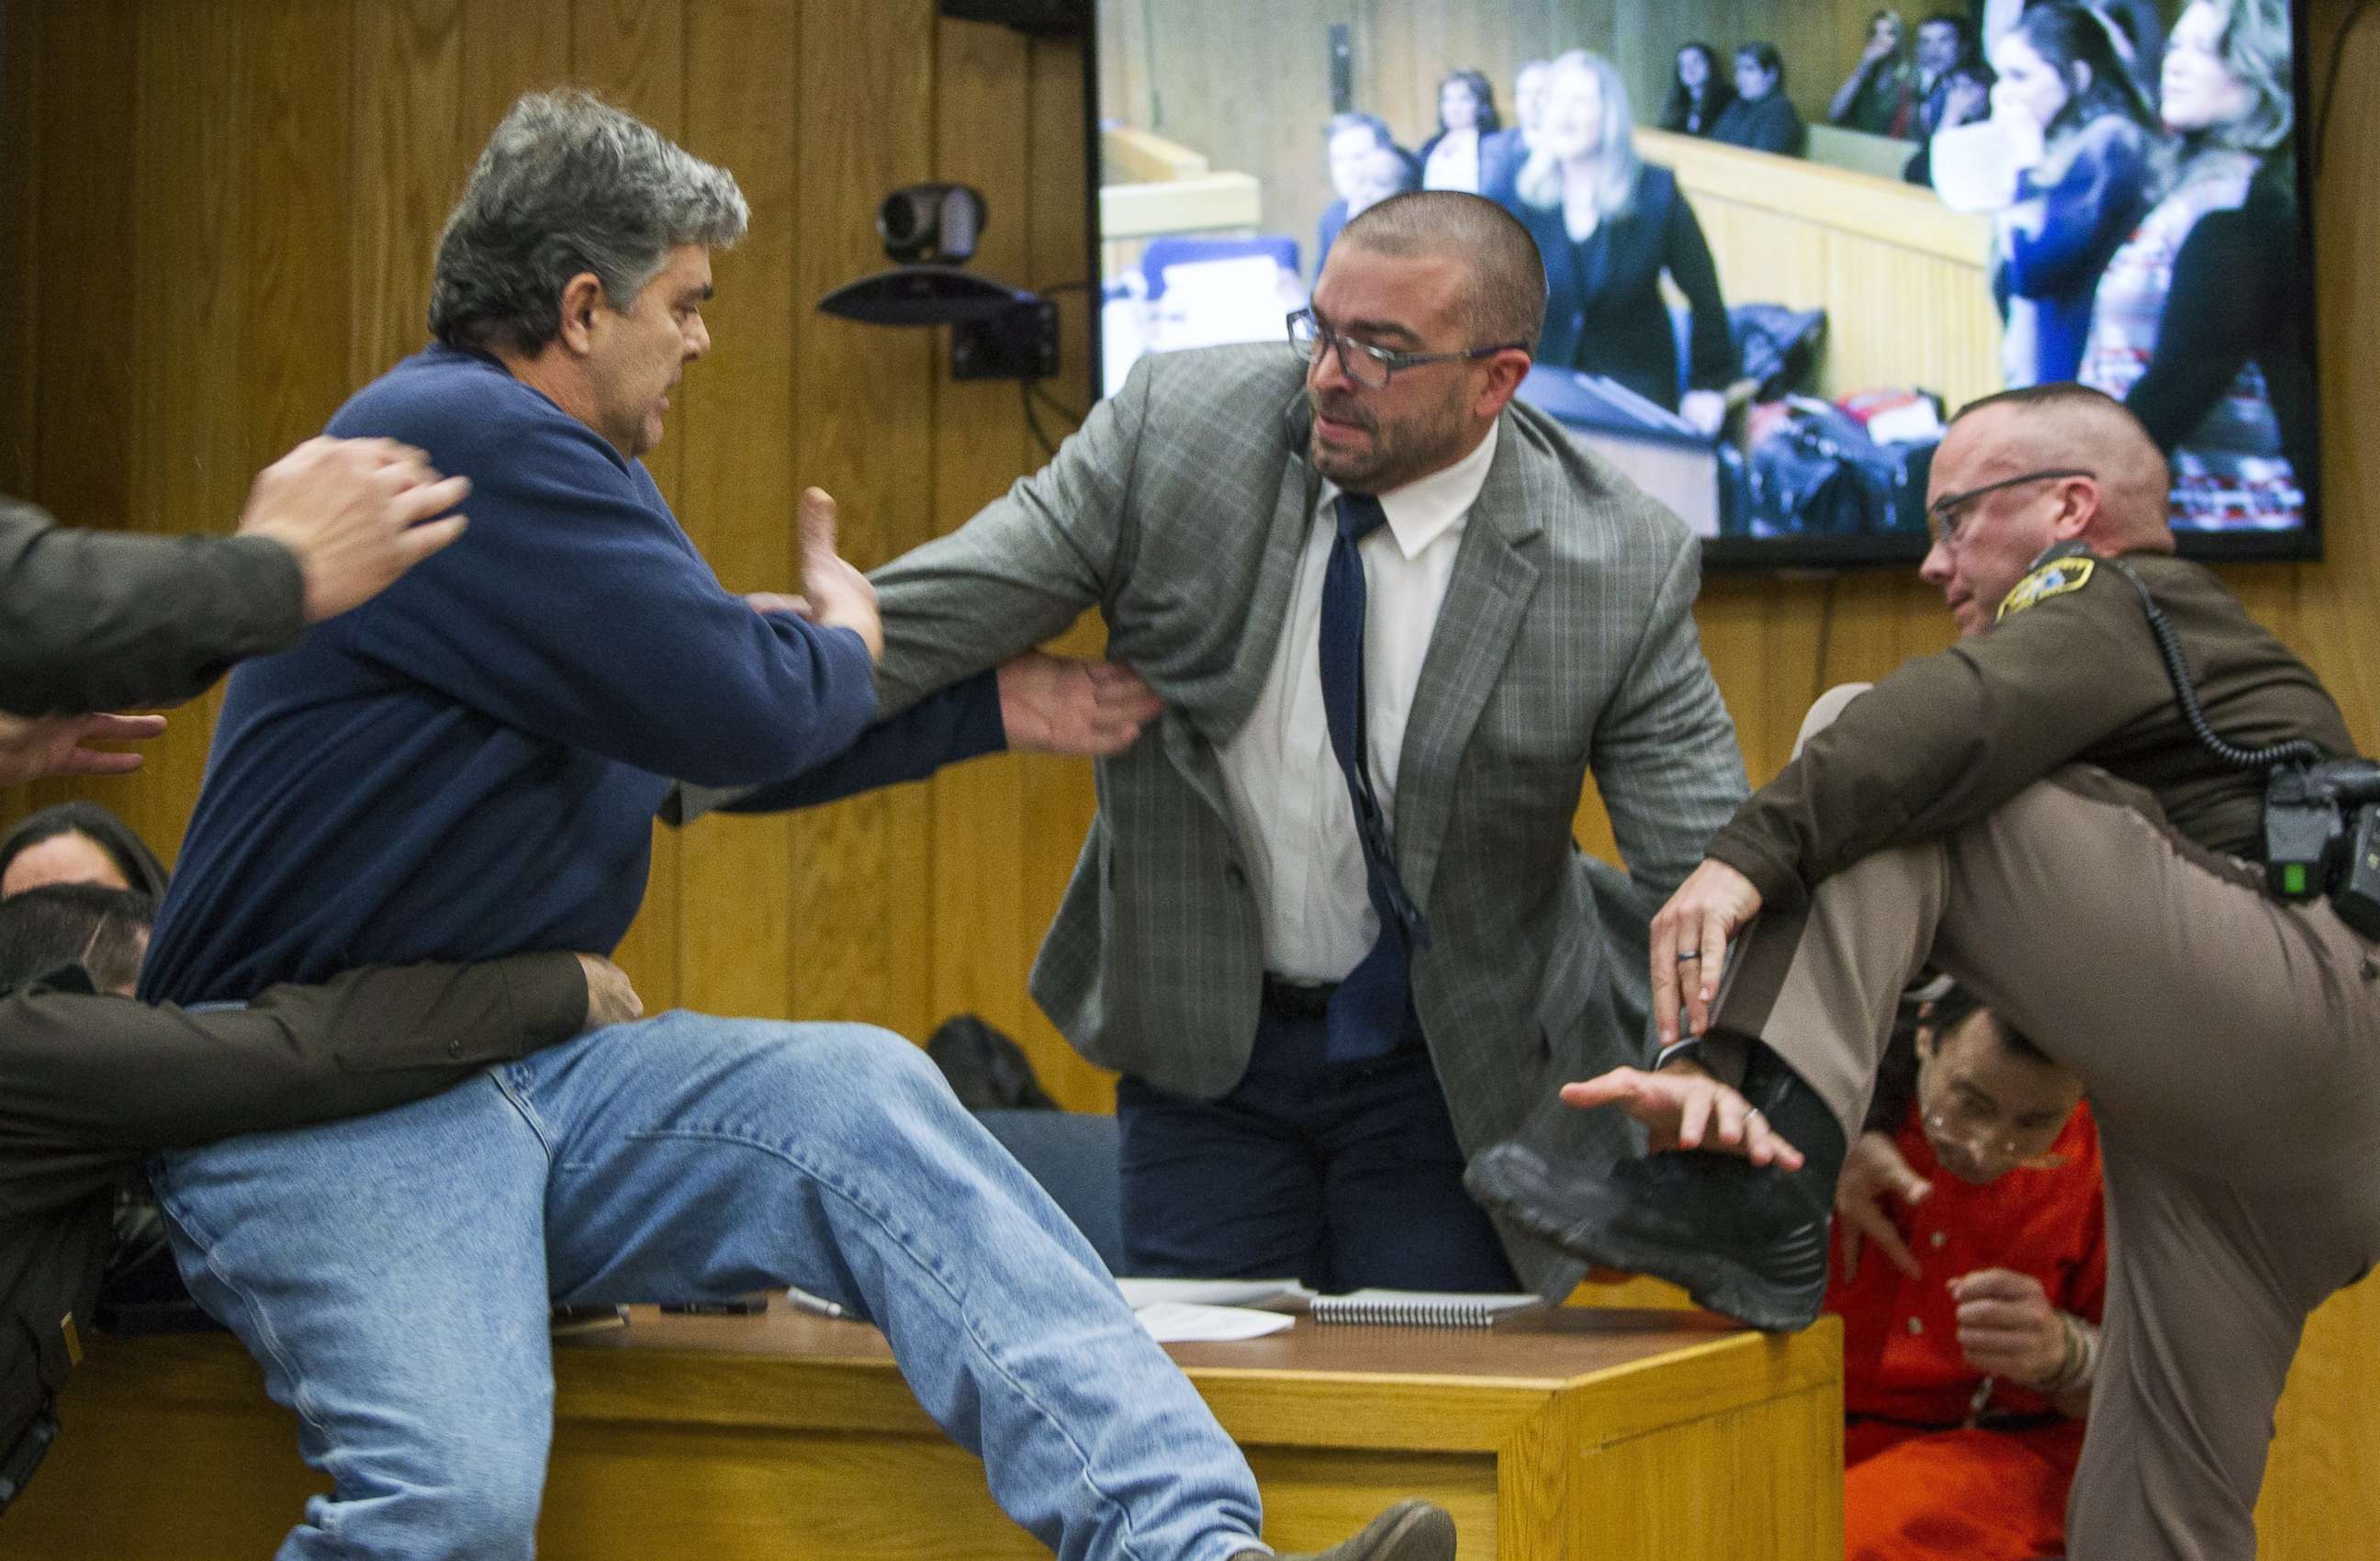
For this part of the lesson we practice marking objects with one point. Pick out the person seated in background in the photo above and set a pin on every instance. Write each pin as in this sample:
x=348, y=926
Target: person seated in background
x=1879, y=97
x=1970, y=1270
x=1452, y=159
x=1966, y=97
x=1366, y=167
x=1609, y=226
x=1503, y=153
x=1698, y=94
x=78, y=843
x=2197, y=323
x=1762, y=117
x=1945, y=41
x=103, y=930
x=2065, y=92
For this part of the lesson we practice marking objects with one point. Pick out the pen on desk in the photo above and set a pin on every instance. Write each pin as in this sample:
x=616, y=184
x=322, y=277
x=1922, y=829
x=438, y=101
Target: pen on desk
x=816, y=1306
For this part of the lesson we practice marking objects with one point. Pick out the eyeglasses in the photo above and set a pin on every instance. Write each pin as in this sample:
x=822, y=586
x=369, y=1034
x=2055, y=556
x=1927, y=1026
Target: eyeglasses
x=1943, y=513
x=2026, y=1147
x=1370, y=365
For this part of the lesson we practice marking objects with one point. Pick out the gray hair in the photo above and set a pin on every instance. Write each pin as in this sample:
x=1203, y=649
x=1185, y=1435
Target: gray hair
x=1540, y=179
x=569, y=184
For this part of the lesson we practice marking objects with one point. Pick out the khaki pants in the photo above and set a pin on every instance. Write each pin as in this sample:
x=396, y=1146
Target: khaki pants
x=2231, y=1048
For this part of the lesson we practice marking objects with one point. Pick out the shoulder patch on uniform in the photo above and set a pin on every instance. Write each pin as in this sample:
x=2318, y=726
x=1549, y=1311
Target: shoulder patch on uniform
x=2051, y=579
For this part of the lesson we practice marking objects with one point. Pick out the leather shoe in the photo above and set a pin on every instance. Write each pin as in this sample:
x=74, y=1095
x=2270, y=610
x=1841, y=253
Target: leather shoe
x=1411, y=1530
x=1743, y=1240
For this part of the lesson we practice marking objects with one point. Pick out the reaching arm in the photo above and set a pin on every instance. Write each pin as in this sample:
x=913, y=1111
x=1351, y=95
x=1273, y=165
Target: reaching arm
x=1948, y=738
x=576, y=610
x=108, y=1073
x=90, y=620
x=1022, y=570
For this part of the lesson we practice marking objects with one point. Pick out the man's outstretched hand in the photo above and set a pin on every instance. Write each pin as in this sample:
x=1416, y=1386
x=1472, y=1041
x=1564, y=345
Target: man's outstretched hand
x=834, y=594
x=1684, y=1108
x=31, y=748
x=1057, y=705
x=355, y=513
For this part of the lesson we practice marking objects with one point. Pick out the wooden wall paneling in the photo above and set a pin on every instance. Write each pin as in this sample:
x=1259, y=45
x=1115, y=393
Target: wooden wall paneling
x=739, y=487
x=509, y=47
x=632, y=53
x=21, y=78
x=406, y=166
x=184, y=287
x=84, y=317
x=982, y=102
x=864, y=430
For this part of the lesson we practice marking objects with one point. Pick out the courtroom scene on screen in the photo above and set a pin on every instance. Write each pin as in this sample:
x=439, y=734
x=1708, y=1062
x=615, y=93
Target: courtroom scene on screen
x=1784, y=239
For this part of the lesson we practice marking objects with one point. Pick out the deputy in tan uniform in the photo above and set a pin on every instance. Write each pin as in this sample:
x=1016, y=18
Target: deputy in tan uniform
x=2029, y=812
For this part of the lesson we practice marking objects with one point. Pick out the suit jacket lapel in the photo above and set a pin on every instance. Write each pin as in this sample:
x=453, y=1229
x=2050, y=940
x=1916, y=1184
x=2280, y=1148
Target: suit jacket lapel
x=1283, y=542
x=1495, y=574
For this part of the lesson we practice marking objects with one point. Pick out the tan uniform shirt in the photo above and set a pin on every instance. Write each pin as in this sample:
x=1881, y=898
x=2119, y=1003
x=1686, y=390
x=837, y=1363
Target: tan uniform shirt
x=2074, y=677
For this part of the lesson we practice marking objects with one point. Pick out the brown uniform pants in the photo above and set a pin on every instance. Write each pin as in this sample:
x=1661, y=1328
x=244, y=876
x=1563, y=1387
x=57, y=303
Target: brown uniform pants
x=2231, y=1045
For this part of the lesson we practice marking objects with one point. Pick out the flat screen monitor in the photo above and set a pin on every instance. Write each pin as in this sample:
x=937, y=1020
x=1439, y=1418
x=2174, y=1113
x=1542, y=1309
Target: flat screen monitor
x=1784, y=239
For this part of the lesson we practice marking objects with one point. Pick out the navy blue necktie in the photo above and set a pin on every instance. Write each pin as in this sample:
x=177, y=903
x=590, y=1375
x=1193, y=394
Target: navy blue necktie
x=1368, y=1011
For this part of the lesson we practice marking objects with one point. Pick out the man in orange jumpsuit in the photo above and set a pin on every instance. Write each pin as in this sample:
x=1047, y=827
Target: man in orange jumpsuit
x=1971, y=1328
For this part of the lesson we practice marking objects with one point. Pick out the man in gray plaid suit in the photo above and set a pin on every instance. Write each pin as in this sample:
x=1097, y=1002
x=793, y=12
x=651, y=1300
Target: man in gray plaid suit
x=1329, y=923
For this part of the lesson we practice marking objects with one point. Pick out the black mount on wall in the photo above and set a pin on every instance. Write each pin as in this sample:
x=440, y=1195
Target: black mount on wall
x=997, y=332
x=1040, y=18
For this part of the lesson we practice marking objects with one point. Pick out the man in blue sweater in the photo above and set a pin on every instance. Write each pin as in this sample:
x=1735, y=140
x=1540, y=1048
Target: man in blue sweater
x=469, y=766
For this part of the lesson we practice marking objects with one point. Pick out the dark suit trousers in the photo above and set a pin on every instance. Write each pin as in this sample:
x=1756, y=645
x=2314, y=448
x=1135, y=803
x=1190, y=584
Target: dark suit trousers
x=1343, y=1174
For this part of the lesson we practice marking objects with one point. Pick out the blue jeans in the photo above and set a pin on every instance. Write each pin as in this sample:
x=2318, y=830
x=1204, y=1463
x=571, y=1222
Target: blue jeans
x=392, y=1275
x=1341, y=1174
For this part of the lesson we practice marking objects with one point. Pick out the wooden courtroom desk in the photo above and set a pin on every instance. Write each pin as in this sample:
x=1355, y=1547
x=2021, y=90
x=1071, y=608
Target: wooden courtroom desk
x=1609, y=1436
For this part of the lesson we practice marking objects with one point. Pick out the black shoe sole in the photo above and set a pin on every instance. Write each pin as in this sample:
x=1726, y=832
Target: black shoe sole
x=1595, y=1228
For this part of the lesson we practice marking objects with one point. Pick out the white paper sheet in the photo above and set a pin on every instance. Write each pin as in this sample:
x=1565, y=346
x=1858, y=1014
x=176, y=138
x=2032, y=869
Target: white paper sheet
x=1177, y=1322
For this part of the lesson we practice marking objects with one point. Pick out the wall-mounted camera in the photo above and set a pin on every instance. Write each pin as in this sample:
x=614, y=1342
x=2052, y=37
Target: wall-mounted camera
x=929, y=231
x=936, y=224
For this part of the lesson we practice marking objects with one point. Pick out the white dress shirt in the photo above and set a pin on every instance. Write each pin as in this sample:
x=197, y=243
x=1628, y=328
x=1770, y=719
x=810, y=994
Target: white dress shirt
x=1303, y=861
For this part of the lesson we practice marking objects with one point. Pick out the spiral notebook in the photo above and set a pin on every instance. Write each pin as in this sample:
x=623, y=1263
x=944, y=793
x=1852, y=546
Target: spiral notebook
x=1420, y=1309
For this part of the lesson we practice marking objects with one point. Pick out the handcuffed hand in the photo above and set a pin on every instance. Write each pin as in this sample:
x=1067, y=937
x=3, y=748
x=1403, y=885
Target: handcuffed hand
x=1689, y=938
x=2007, y=1328
x=1060, y=705
x=1684, y=1108
x=32, y=747
x=611, y=999
x=1874, y=1169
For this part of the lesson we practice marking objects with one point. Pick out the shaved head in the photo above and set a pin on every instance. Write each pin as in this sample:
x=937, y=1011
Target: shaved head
x=1506, y=300
x=2023, y=471
x=2046, y=427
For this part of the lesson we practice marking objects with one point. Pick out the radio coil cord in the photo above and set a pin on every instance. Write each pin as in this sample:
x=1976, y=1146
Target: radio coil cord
x=2296, y=751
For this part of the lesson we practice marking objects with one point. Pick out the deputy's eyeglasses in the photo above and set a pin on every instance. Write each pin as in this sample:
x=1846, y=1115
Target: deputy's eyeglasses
x=1370, y=365
x=1946, y=511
